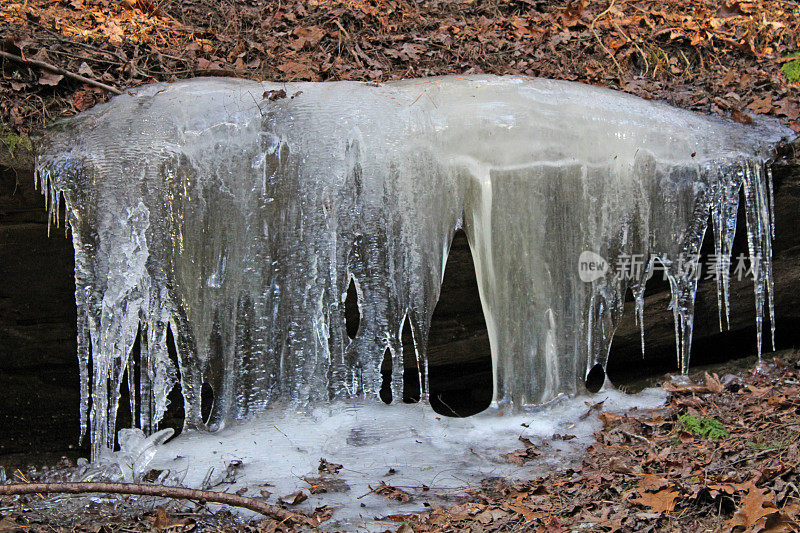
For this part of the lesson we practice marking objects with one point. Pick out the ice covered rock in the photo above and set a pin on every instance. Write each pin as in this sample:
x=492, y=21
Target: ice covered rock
x=236, y=218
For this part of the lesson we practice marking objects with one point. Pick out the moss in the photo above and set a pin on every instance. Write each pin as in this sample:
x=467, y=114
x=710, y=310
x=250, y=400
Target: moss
x=707, y=428
x=791, y=69
x=13, y=141
x=760, y=444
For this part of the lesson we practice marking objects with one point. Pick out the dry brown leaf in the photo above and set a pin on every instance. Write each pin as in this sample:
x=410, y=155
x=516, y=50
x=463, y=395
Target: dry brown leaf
x=85, y=70
x=790, y=108
x=618, y=465
x=490, y=515
x=526, y=512
x=740, y=117
x=392, y=492
x=50, y=78
x=653, y=483
x=330, y=468
x=761, y=105
x=661, y=501
x=295, y=498
x=756, y=505
x=293, y=69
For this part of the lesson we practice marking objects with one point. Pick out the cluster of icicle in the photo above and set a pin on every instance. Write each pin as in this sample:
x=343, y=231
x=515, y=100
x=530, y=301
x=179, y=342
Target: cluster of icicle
x=235, y=214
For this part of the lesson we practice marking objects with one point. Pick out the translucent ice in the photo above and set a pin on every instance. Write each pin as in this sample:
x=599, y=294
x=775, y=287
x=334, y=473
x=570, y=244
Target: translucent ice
x=132, y=460
x=237, y=217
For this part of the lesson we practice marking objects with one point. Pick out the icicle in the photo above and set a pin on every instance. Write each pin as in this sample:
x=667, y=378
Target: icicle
x=639, y=298
x=759, y=232
x=724, y=209
x=768, y=254
x=684, y=289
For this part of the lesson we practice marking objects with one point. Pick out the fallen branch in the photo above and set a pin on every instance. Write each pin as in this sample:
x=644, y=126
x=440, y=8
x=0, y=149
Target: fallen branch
x=180, y=493
x=59, y=70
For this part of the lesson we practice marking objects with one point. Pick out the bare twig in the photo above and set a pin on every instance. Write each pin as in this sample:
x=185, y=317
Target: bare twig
x=637, y=437
x=59, y=70
x=181, y=493
x=603, y=46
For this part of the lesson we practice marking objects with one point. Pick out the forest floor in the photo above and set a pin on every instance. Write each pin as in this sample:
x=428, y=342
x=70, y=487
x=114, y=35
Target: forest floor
x=721, y=455
x=732, y=57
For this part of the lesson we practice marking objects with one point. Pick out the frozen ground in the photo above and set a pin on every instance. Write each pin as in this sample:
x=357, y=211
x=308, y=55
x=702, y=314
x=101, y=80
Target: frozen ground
x=432, y=457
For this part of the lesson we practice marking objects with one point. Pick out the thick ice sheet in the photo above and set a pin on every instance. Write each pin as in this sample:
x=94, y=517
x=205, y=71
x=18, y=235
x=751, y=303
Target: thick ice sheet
x=237, y=218
x=281, y=452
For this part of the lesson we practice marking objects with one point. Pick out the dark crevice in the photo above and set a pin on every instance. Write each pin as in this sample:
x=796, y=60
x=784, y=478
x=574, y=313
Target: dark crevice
x=595, y=378
x=386, y=377
x=411, y=375
x=352, y=314
x=206, y=402
x=175, y=415
x=460, y=372
x=124, y=417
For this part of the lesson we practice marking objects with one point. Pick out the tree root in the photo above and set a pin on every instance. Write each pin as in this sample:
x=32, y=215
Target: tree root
x=181, y=493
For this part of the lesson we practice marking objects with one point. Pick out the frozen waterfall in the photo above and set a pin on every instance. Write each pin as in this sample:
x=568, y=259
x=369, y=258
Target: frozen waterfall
x=236, y=213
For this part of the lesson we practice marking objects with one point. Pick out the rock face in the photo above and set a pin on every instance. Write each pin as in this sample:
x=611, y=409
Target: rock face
x=39, y=375
x=38, y=368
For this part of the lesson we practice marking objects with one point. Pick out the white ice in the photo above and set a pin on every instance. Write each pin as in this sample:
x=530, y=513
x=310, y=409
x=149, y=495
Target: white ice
x=236, y=219
x=280, y=452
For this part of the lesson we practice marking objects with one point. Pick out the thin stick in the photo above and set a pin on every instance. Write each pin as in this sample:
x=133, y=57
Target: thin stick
x=181, y=493
x=59, y=70
x=600, y=42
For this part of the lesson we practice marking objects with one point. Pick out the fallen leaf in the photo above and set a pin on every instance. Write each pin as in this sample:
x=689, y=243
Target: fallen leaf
x=392, y=492
x=50, y=78
x=653, y=483
x=490, y=515
x=755, y=505
x=527, y=513
x=162, y=520
x=272, y=96
x=618, y=465
x=522, y=456
x=788, y=108
x=758, y=392
x=295, y=498
x=740, y=117
x=330, y=468
x=761, y=105
x=661, y=501
x=592, y=408
x=85, y=70
x=83, y=100
x=609, y=418
x=293, y=69
x=310, y=36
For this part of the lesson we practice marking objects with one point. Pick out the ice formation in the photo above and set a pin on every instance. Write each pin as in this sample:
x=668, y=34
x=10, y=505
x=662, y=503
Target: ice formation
x=236, y=214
